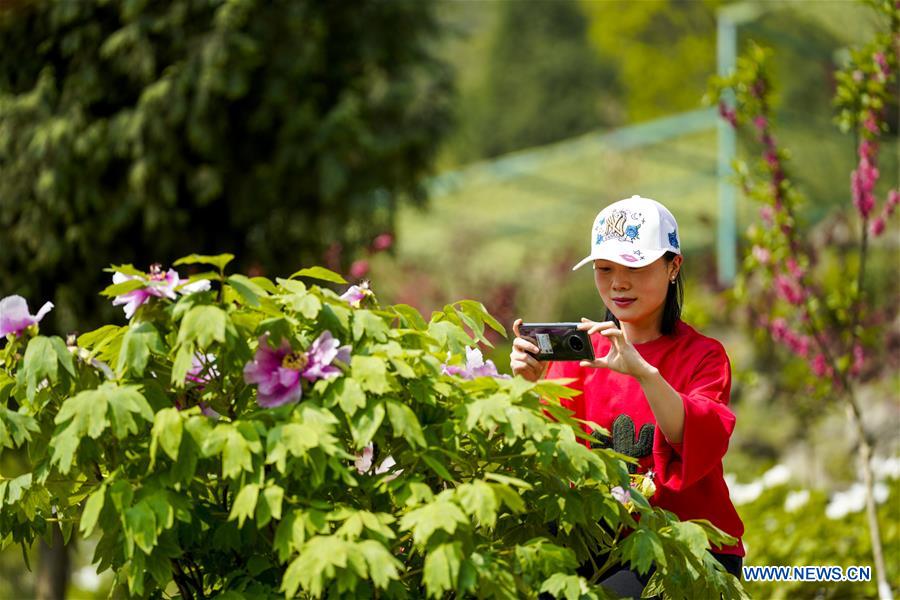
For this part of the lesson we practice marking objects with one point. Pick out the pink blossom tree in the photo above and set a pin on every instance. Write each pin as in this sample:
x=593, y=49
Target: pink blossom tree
x=825, y=327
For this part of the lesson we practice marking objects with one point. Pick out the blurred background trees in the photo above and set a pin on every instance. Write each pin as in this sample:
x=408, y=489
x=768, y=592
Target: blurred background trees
x=142, y=131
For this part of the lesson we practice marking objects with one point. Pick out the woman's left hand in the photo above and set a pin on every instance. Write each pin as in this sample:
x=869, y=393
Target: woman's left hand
x=622, y=356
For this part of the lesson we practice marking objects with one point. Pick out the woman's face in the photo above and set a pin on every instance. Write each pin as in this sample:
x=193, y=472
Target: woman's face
x=635, y=294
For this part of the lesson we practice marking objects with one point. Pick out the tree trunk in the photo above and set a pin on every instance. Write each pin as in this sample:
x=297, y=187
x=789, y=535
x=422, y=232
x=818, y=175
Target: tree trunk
x=53, y=568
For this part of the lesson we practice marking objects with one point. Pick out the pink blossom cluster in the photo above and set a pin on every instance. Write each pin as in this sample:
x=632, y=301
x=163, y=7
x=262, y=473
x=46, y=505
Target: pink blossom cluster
x=876, y=227
x=864, y=177
x=798, y=343
x=802, y=346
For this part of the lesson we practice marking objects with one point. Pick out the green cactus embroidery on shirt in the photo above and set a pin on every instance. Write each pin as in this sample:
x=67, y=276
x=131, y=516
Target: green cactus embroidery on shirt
x=623, y=439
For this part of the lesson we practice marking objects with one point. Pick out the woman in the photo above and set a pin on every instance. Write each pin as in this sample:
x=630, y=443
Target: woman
x=660, y=387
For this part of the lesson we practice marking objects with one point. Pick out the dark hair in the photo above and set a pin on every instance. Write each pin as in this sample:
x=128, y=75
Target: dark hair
x=672, y=307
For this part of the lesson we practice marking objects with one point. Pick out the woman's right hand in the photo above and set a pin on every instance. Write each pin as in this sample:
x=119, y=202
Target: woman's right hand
x=523, y=363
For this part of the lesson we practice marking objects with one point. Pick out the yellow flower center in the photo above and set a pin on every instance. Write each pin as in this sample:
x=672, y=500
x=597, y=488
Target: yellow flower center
x=295, y=360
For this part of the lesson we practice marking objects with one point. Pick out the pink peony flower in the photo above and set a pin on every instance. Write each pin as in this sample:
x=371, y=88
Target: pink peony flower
x=324, y=351
x=760, y=122
x=476, y=366
x=279, y=372
x=160, y=285
x=359, y=268
x=621, y=494
x=382, y=242
x=355, y=294
x=203, y=369
x=364, y=459
x=767, y=214
x=14, y=315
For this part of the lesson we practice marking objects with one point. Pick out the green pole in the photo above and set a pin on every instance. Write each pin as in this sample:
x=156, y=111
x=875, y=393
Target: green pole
x=726, y=234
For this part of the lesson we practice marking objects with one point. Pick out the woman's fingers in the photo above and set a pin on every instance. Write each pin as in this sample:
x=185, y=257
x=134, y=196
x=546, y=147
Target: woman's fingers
x=594, y=326
x=616, y=337
x=523, y=345
x=599, y=363
x=516, y=324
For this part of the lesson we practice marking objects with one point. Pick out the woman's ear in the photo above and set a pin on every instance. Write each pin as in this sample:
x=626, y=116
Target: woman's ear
x=675, y=267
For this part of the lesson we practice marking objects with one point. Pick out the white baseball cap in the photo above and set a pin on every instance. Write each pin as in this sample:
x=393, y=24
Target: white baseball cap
x=633, y=232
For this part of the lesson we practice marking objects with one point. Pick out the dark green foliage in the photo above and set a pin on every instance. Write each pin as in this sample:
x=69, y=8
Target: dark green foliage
x=135, y=131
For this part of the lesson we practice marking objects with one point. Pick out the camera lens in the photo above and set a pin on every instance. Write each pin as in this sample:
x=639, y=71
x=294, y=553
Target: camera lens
x=575, y=343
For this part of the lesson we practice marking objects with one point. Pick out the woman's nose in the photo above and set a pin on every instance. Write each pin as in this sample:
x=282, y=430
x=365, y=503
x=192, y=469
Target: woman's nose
x=620, y=283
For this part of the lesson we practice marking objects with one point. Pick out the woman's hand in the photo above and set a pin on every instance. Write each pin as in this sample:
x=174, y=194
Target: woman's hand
x=622, y=356
x=521, y=361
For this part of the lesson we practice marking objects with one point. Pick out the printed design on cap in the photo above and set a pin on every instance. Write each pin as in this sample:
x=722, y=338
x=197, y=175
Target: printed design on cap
x=673, y=239
x=619, y=225
x=628, y=257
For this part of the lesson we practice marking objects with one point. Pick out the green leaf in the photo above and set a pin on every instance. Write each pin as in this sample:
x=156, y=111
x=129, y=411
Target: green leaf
x=40, y=362
x=87, y=411
x=184, y=360
x=219, y=260
x=364, y=424
x=167, y=429
x=411, y=317
x=205, y=324
x=236, y=454
x=117, y=289
x=125, y=270
x=370, y=372
x=478, y=500
x=441, y=570
x=318, y=559
x=125, y=401
x=509, y=497
x=270, y=507
x=366, y=322
x=139, y=341
x=307, y=305
x=63, y=355
x=476, y=310
x=440, y=515
x=244, y=504
x=437, y=466
x=405, y=423
x=140, y=526
x=92, y=510
x=692, y=535
x=570, y=587
x=91, y=338
x=248, y=290
x=642, y=548
x=350, y=395
x=320, y=273
x=383, y=567
x=15, y=428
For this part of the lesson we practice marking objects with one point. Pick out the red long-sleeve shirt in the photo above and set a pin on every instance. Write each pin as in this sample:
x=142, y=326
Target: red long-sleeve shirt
x=689, y=478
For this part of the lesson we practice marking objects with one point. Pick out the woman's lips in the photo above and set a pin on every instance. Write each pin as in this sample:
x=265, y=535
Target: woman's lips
x=623, y=302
